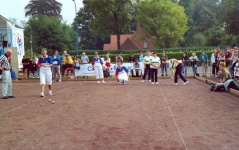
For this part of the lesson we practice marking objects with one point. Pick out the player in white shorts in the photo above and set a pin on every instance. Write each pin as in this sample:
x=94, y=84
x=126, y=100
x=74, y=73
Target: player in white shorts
x=44, y=64
x=97, y=65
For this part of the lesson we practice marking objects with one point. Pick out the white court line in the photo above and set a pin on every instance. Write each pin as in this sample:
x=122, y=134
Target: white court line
x=173, y=119
x=30, y=102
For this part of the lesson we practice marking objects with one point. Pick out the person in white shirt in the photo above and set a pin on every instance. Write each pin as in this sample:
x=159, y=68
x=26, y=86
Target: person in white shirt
x=154, y=65
x=214, y=62
x=194, y=60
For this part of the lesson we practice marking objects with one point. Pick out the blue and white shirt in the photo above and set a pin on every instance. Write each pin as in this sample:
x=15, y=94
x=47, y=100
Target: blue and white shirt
x=97, y=61
x=47, y=60
x=121, y=70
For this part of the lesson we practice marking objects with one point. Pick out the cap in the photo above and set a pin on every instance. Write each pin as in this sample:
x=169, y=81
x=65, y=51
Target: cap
x=83, y=53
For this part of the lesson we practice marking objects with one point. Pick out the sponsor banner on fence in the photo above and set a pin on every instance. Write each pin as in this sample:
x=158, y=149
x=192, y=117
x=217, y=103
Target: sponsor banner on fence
x=86, y=69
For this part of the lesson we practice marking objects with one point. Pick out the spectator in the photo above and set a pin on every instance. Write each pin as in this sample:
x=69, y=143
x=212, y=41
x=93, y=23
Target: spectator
x=234, y=51
x=225, y=81
x=122, y=73
x=68, y=62
x=175, y=64
x=235, y=67
x=154, y=65
x=146, y=62
x=5, y=66
x=84, y=60
x=1, y=50
x=97, y=65
x=45, y=63
x=214, y=62
x=35, y=67
x=141, y=56
x=31, y=66
x=76, y=64
x=119, y=58
x=63, y=66
x=132, y=58
x=194, y=60
x=107, y=65
x=56, y=61
x=184, y=62
x=25, y=63
x=227, y=58
x=204, y=60
x=136, y=68
x=163, y=59
x=221, y=58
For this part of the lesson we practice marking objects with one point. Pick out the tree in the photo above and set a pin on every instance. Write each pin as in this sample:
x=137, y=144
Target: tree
x=164, y=20
x=110, y=16
x=189, y=6
x=48, y=32
x=90, y=40
x=51, y=8
x=230, y=16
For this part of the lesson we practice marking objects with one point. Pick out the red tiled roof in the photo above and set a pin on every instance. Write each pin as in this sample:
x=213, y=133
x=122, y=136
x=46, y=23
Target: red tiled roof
x=113, y=41
x=131, y=41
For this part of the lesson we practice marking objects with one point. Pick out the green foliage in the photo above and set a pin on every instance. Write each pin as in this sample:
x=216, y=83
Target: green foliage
x=230, y=16
x=50, y=33
x=89, y=38
x=164, y=20
x=51, y=8
x=111, y=17
x=177, y=55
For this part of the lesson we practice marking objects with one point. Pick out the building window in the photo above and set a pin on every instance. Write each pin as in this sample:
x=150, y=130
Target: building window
x=146, y=44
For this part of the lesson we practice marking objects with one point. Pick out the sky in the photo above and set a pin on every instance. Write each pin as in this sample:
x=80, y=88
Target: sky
x=15, y=9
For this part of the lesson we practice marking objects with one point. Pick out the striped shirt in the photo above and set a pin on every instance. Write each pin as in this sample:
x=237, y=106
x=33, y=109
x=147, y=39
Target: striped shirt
x=147, y=59
x=173, y=63
x=154, y=61
x=5, y=62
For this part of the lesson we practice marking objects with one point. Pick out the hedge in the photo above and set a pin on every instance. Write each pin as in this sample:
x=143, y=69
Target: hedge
x=177, y=55
x=126, y=56
x=104, y=52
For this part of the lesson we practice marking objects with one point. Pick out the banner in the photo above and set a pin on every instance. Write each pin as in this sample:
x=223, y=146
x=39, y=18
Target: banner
x=86, y=69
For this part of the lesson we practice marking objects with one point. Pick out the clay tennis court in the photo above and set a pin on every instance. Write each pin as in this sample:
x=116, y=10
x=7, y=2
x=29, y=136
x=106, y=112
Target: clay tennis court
x=135, y=116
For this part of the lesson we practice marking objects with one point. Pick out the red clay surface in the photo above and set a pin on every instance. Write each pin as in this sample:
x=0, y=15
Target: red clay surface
x=135, y=116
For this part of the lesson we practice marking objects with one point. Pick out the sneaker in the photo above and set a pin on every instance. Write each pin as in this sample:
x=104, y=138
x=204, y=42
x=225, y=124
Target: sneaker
x=166, y=75
x=149, y=80
x=152, y=82
x=59, y=80
x=142, y=81
x=185, y=83
x=103, y=82
x=50, y=92
x=42, y=94
x=98, y=82
x=162, y=75
x=175, y=83
x=156, y=83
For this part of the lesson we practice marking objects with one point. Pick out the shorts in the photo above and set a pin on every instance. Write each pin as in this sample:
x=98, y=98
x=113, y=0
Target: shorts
x=45, y=76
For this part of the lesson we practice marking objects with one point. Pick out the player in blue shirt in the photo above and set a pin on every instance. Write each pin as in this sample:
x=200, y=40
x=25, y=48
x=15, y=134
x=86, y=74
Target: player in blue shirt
x=45, y=63
x=122, y=73
x=97, y=65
